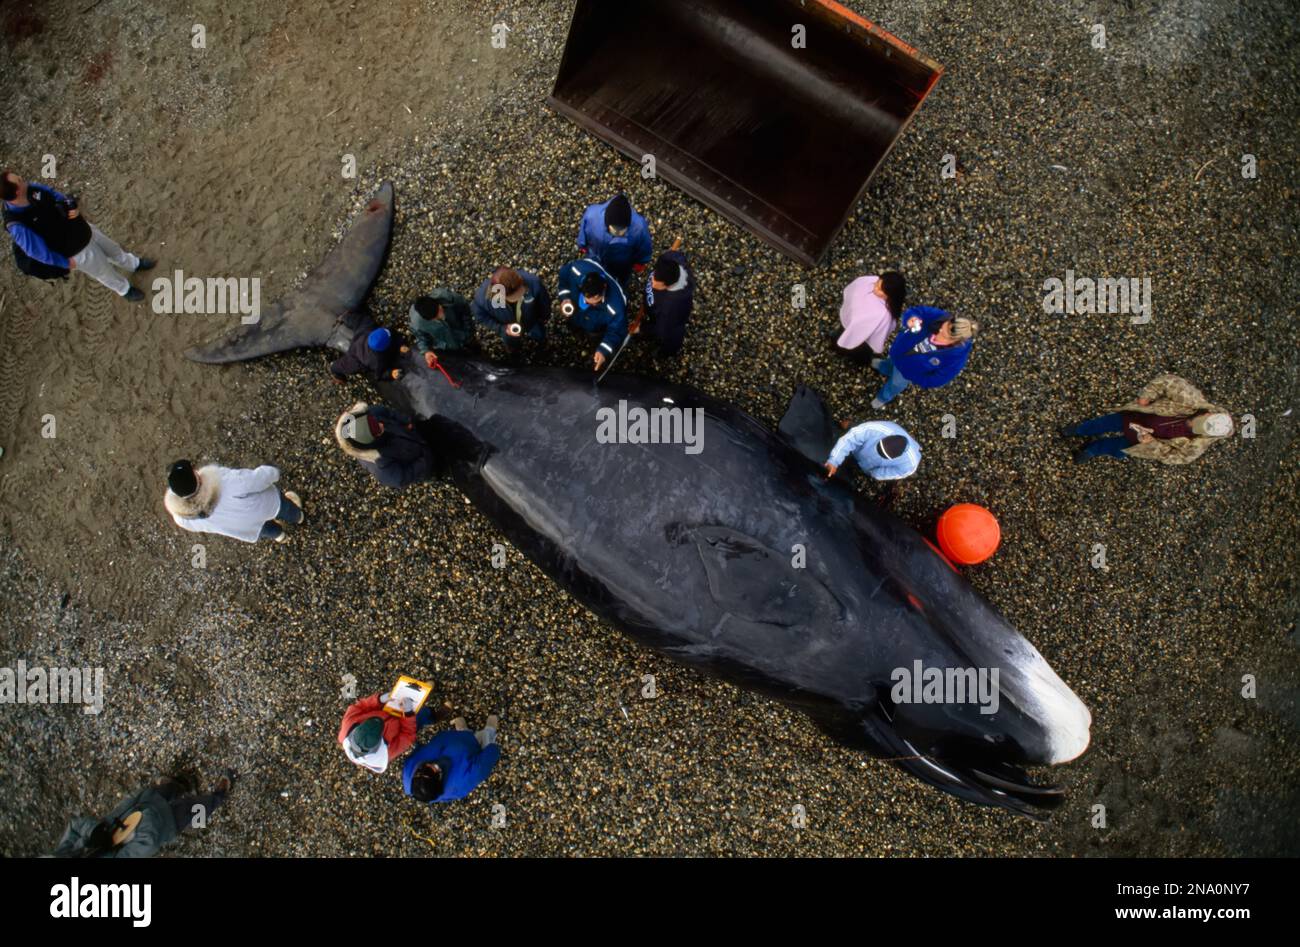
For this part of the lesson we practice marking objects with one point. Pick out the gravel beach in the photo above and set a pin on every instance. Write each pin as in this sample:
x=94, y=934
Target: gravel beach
x=1123, y=161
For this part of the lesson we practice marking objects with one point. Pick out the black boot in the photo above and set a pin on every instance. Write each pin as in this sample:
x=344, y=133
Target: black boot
x=145, y=264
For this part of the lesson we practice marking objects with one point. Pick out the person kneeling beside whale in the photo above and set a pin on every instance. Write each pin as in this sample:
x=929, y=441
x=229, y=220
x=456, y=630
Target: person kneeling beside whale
x=386, y=444
x=372, y=353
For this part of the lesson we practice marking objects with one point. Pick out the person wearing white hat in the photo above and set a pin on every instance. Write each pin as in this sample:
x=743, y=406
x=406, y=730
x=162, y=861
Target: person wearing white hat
x=1170, y=421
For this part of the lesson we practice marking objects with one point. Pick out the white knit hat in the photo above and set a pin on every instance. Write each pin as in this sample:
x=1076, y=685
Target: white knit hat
x=1212, y=425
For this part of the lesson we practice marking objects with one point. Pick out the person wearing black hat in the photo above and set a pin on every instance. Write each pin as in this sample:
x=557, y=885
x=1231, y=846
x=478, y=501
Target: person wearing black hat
x=386, y=444
x=616, y=237
x=883, y=450
x=669, y=299
x=242, y=504
x=143, y=822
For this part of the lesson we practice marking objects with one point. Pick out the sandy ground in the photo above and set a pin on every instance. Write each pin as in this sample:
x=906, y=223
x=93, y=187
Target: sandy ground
x=227, y=161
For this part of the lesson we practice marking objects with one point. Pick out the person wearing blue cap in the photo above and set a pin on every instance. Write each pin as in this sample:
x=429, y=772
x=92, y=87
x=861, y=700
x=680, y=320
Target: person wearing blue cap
x=373, y=352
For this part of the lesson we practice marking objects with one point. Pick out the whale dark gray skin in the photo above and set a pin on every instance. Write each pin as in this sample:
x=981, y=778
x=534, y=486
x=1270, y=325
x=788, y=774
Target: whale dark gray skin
x=694, y=554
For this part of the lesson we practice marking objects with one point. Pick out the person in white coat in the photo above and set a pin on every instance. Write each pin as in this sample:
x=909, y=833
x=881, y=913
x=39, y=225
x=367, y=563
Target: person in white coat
x=242, y=504
x=882, y=449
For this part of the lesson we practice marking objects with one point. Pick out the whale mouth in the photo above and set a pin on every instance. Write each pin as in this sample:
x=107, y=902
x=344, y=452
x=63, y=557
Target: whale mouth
x=1054, y=724
x=986, y=782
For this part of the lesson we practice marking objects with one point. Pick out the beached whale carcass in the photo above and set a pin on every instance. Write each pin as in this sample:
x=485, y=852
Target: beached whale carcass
x=702, y=565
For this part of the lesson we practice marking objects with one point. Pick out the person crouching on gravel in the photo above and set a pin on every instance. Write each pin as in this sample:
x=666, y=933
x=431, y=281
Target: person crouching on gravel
x=373, y=352
x=242, y=504
x=450, y=765
x=386, y=444
x=372, y=734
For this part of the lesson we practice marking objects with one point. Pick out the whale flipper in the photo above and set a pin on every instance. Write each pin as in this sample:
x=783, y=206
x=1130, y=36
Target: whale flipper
x=308, y=316
x=807, y=425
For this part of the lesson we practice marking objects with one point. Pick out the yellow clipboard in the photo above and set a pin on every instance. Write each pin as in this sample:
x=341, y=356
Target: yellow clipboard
x=407, y=689
x=125, y=833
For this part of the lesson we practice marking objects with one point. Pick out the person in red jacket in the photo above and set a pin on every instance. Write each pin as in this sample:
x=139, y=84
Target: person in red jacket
x=372, y=735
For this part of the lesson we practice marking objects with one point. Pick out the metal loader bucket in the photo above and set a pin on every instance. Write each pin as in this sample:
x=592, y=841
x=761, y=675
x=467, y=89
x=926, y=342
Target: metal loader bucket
x=780, y=138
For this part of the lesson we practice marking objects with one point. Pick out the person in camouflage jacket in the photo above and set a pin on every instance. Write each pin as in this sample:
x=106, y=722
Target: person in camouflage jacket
x=1170, y=421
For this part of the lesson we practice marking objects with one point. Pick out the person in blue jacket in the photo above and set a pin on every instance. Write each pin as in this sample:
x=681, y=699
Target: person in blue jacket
x=594, y=303
x=929, y=350
x=883, y=450
x=515, y=305
x=616, y=237
x=52, y=237
x=450, y=765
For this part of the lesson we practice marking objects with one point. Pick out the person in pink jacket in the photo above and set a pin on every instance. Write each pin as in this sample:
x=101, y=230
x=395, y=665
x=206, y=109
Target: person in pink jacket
x=869, y=314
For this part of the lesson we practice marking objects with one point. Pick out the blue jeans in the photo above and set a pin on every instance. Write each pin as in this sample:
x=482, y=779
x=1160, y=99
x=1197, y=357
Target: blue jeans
x=1107, y=446
x=425, y=716
x=894, y=385
x=289, y=513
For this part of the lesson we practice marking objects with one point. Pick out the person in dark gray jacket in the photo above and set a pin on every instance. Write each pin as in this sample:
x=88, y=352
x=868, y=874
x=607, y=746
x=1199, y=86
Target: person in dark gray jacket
x=374, y=352
x=386, y=443
x=441, y=322
x=669, y=299
x=143, y=822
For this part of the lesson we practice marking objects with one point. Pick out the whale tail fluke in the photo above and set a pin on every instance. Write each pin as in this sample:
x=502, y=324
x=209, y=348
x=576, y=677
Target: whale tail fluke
x=309, y=316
